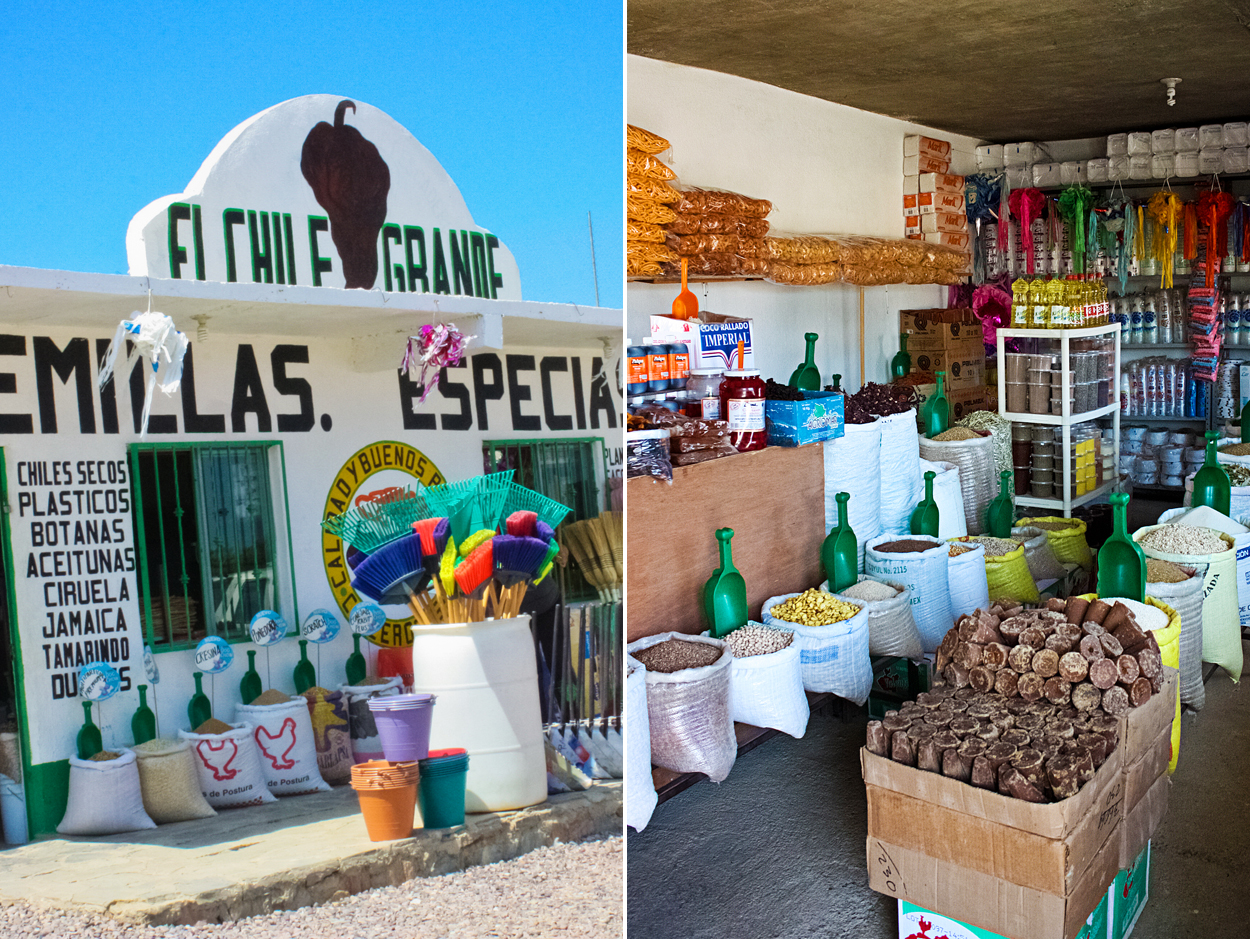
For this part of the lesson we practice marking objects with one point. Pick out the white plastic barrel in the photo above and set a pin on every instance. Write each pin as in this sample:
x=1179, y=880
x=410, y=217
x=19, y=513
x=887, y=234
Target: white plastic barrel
x=486, y=680
x=13, y=811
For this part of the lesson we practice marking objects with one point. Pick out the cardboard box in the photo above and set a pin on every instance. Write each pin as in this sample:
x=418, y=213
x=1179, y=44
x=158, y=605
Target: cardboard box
x=820, y=416
x=962, y=360
x=1142, y=821
x=964, y=401
x=1129, y=894
x=911, y=227
x=915, y=144
x=713, y=341
x=1140, y=727
x=955, y=222
x=921, y=164
x=941, y=182
x=952, y=239
x=1140, y=775
x=928, y=322
x=915, y=922
x=928, y=203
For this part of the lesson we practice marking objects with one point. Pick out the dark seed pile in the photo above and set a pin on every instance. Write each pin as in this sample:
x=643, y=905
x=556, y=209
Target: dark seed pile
x=776, y=391
x=673, y=655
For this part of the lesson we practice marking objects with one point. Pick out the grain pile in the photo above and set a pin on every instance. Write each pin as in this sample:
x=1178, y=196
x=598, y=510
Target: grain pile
x=103, y=756
x=814, y=608
x=1164, y=572
x=995, y=547
x=272, y=696
x=905, y=546
x=213, y=726
x=1185, y=539
x=673, y=655
x=755, y=639
x=870, y=590
x=957, y=433
x=1236, y=449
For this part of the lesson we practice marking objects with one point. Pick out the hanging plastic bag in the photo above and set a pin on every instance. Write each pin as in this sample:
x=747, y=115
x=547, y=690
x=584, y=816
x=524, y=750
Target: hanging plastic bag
x=105, y=797
x=965, y=575
x=1185, y=597
x=767, y=690
x=288, y=752
x=924, y=573
x=1066, y=537
x=228, y=767
x=978, y=479
x=949, y=496
x=901, y=484
x=891, y=626
x=853, y=464
x=640, y=797
x=835, y=658
x=160, y=344
x=688, y=712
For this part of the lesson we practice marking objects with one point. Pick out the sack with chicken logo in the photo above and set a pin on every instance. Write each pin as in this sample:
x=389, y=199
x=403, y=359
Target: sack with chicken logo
x=228, y=767
x=366, y=744
x=328, y=710
x=288, y=752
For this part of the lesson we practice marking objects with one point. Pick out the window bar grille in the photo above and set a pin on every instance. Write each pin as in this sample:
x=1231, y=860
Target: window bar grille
x=163, y=562
x=141, y=543
x=184, y=578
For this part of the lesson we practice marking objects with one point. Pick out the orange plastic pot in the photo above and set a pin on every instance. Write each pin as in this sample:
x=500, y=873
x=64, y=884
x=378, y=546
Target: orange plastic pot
x=388, y=810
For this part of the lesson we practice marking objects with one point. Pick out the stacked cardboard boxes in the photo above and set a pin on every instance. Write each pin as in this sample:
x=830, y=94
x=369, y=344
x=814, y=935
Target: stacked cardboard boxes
x=949, y=341
x=933, y=199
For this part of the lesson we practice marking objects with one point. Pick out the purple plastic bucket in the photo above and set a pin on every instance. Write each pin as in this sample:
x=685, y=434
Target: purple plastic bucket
x=403, y=722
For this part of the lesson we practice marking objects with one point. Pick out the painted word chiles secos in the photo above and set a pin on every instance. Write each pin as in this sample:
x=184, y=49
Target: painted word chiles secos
x=411, y=262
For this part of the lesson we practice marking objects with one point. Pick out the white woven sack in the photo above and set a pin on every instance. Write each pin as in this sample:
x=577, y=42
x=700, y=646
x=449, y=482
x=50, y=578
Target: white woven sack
x=640, y=797
x=105, y=797
x=1186, y=599
x=1038, y=553
x=853, y=464
x=688, y=713
x=835, y=658
x=1241, y=542
x=169, y=782
x=978, y=476
x=288, y=753
x=767, y=690
x=924, y=573
x=366, y=744
x=228, y=767
x=1239, y=496
x=949, y=496
x=965, y=578
x=1221, y=625
x=902, y=486
x=891, y=627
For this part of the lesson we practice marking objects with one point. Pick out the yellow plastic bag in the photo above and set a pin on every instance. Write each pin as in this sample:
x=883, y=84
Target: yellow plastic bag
x=1069, y=544
x=1007, y=575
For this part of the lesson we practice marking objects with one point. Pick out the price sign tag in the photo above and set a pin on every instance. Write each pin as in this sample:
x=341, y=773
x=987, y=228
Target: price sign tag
x=150, y=667
x=320, y=626
x=367, y=618
x=213, y=655
x=267, y=628
x=98, y=681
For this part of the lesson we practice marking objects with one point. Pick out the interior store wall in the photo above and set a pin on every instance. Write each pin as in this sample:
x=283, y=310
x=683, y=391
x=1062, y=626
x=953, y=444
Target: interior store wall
x=826, y=168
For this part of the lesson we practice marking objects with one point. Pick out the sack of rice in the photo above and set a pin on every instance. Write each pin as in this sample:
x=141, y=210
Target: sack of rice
x=168, y=781
x=105, y=797
x=288, y=754
x=328, y=711
x=227, y=764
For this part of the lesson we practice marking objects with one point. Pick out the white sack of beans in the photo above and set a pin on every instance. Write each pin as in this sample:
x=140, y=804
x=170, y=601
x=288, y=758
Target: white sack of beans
x=766, y=690
x=170, y=786
x=948, y=494
x=1221, y=623
x=105, y=797
x=1038, y=554
x=228, y=767
x=288, y=753
x=640, y=797
x=1207, y=517
x=902, y=486
x=968, y=586
x=853, y=464
x=1185, y=597
x=688, y=712
x=835, y=658
x=891, y=626
x=978, y=473
x=924, y=574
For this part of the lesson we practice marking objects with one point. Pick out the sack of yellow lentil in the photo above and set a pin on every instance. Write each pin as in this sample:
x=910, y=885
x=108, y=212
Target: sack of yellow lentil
x=833, y=652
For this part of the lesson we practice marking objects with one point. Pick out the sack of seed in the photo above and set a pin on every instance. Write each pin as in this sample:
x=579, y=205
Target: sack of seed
x=227, y=764
x=766, y=679
x=688, y=703
x=288, y=754
x=171, y=789
x=105, y=797
x=328, y=711
x=366, y=744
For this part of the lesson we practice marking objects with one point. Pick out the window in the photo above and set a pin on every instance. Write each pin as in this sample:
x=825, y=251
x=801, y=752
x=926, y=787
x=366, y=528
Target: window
x=569, y=470
x=209, y=538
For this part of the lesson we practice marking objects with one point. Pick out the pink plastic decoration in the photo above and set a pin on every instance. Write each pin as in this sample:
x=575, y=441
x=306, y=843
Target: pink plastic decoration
x=433, y=348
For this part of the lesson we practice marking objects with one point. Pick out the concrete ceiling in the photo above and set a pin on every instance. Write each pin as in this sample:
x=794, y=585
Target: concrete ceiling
x=1001, y=70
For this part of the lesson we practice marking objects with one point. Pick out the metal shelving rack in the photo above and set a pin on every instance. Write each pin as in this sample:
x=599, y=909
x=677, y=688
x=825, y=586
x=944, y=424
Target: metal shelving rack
x=1066, y=419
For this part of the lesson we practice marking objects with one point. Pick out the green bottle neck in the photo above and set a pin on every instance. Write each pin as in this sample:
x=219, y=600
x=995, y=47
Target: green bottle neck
x=199, y=683
x=809, y=357
x=143, y=696
x=842, y=514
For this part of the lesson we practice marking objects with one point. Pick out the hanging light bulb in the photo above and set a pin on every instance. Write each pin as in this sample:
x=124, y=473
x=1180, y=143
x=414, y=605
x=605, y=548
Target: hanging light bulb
x=1171, y=84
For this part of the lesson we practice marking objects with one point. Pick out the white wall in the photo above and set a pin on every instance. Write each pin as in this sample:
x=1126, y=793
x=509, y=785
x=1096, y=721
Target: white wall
x=827, y=169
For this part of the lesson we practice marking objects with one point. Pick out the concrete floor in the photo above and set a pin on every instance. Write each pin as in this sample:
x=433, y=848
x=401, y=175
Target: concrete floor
x=777, y=850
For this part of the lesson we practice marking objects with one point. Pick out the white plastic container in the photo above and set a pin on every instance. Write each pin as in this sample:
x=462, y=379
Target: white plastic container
x=1117, y=145
x=1139, y=143
x=486, y=681
x=1139, y=166
x=1187, y=140
x=1210, y=136
x=1187, y=164
x=1210, y=161
x=1163, y=141
x=1162, y=165
x=990, y=157
x=13, y=811
x=1047, y=174
x=1235, y=134
x=1073, y=172
x=1019, y=154
x=1117, y=167
x=1235, y=160
x=1019, y=177
x=1096, y=170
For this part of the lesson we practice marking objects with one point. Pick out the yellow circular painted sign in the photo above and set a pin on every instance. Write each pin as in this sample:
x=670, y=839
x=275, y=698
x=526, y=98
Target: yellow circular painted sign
x=348, y=491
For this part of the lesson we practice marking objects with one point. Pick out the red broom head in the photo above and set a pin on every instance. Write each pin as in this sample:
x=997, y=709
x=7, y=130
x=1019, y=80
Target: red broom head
x=429, y=530
x=474, y=570
x=522, y=523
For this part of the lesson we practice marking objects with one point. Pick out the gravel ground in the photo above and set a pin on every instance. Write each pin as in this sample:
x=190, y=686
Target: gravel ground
x=565, y=889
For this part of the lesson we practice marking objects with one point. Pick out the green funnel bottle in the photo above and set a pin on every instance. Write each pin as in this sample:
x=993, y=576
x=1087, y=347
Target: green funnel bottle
x=355, y=663
x=89, y=741
x=1121, y=563
x=305, y=674
x=938, y=414
x=1211, y=484
x=807, y=376
x=839, y=555
x=199, y=708
x=837, y=382
x=1245, y=423
x=900, y=365
x=143, y=724
x=1001, y=512
x=250, y=687
x=726, y=592
x=925, y=517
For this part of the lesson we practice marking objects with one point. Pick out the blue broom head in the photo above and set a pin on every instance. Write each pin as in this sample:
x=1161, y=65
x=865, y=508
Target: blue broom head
x=354, y=557
x=399, y=560
x=517, y=557
x=543, y=531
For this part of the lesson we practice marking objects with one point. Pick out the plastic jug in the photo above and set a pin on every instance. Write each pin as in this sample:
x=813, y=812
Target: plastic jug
x=305, y=675
x=1000, y=513
x=1211, y=483
x=1121, y=563
x=250, y=687
x=143, y=724
x=89, y=740
x=839, y=555
x=355, y=664
x=900, y=365
x=807, y=376
x=938, y=416
x=926, y=517
x=199, y=708
x=726, y=591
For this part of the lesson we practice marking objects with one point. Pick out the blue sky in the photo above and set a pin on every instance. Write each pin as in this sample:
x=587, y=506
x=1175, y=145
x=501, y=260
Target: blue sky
x=110, y=106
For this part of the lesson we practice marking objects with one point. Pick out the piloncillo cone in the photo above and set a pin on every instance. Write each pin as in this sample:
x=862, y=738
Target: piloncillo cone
x=350, y=180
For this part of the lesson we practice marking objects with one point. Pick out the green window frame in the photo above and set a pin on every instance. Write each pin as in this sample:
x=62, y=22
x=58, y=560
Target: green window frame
x=212, y=527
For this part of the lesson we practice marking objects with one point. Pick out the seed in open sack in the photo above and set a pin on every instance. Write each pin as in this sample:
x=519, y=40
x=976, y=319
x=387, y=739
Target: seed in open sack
x=754, y=639
x=1054, y=526
x=1236, y=449
x=374, y=680
x=673, y=655
x=905, y=546
x=272, y=696
x=1164, y=572
x=957, y=433
x=958, y=549
x=214, y=726
x=814, y=608
x=1238, y=474
x=995, y=547
x=1184, y=539
x=103, y=756
x=870, y=590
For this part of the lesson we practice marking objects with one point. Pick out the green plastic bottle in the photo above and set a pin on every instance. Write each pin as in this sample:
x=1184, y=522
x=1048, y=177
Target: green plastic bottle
x=1211, y=483
x=938, y=415
x=143, y=724
x=900, y=365
x=199, y=708
x=839, y=555
x=1121, y=563
x=89, y=741
x=355, y=663
x=926, y=518
x=1000, y=513
x=305, y=674
x=250, y=687
x=807, y=376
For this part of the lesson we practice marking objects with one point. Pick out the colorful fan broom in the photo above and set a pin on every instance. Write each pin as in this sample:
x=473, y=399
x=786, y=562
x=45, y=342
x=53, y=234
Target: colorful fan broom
x=370, y=525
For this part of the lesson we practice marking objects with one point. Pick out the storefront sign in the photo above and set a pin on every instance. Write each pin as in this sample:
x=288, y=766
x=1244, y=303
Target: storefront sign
x=319, y=626
x=324, y=191
x=267, y=628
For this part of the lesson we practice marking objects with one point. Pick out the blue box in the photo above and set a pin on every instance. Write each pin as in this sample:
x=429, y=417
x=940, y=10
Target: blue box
x=819, y=416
